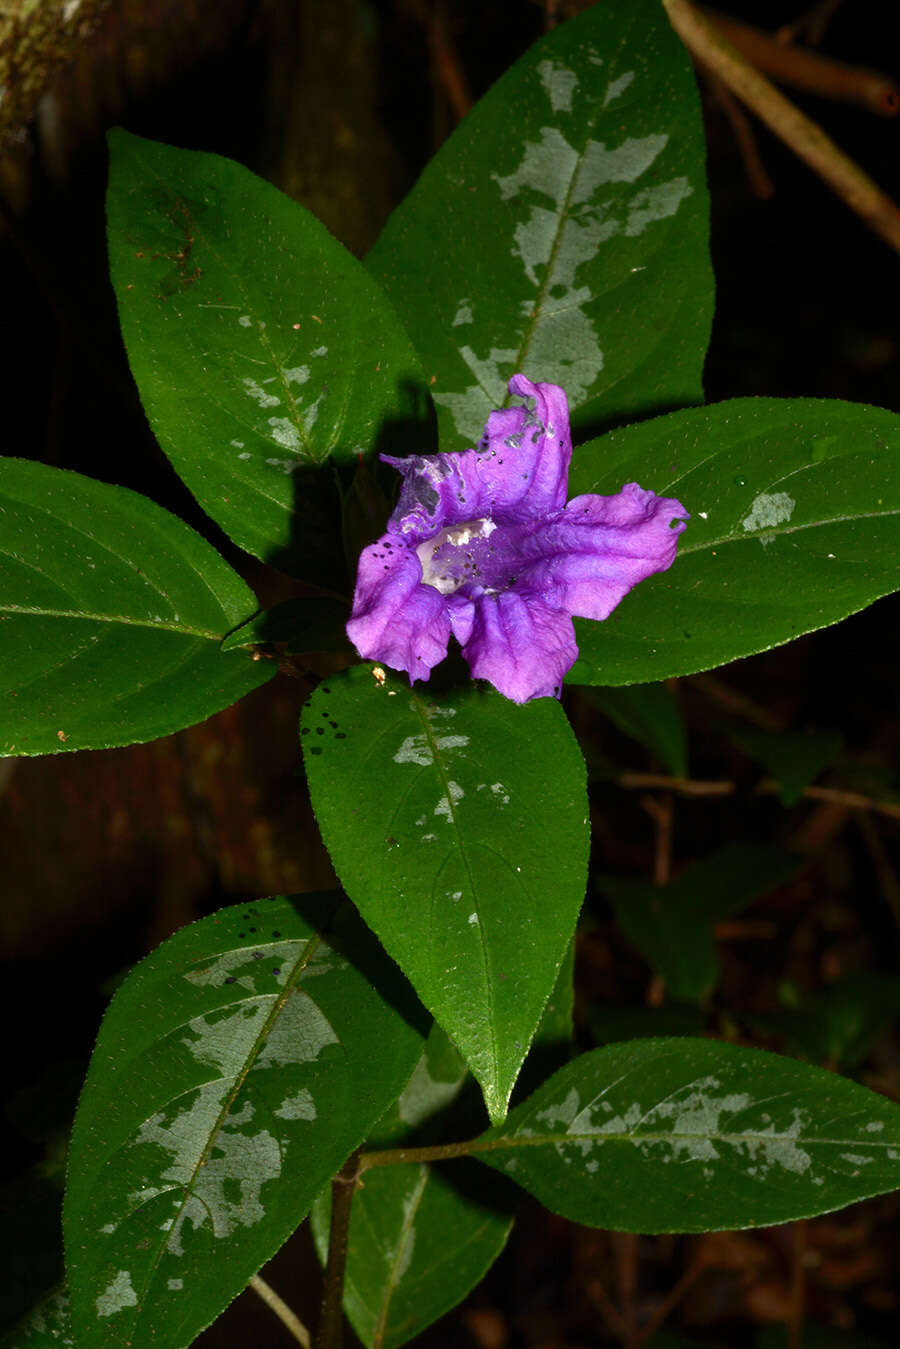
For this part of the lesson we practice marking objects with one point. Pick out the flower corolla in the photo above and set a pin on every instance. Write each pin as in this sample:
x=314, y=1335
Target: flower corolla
x=483, y=545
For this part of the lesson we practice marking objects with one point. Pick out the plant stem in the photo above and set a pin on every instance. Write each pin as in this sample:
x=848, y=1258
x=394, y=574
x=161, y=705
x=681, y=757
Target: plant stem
x=281, y=1310
x=330, y=1330
x=807, y=140
x=441, y=1152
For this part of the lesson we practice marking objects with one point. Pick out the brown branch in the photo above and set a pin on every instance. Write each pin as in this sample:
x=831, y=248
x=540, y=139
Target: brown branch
x=330, y=1330
x=446, y=61
x=807, y=140
x=682, y=786
x=808, y=70
x=660, y=811
x=840, y=796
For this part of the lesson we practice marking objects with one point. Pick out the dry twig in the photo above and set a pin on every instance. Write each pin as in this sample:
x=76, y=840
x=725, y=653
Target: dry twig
x=807, y=140
x=808, y=70
x=840, y=796
x=281, y=1310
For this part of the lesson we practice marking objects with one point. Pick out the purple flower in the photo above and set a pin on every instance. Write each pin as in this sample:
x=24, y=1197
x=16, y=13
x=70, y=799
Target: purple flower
x=483, y=545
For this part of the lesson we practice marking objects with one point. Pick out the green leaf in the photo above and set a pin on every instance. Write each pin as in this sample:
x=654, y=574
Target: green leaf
x=466, y=859
x=261, y=348
x=650, y=714
x=48, y=1326
x=421, y=1237
x=696, y=1136
x=673, y=926
x=418, y=1245
x=795, y=523
x=236, y=1069
x=111, y=615
x=562, y=230
x=841, y=1023
x=793, y=758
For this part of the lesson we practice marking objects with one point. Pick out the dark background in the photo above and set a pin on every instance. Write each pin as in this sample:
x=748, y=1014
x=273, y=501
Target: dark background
x=104, y=854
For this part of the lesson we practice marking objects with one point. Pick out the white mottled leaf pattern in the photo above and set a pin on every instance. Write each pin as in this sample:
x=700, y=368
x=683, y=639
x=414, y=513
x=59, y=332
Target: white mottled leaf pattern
x=237, y=1068
x=684, y=1135
x=562, y=231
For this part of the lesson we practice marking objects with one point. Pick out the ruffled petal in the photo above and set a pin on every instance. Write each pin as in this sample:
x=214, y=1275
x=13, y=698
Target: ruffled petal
x=395, y=618
x=525, y=455
x=597, y=549
x=461, y=612
x=519, y=473
x=439, y=490
x=521, y=645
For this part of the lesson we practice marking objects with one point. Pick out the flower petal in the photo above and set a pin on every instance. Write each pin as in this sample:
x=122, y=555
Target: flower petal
x=461, y=612
x=597, y=549
x=395, y=618
x=438, y=490
x=519, y=473
x=521, y=645
x=525, y=455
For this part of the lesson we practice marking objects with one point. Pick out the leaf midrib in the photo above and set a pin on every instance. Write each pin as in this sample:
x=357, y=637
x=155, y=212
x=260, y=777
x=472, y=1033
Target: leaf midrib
x=394, y=1274
x=735, y=1140
x=463, y=852
x=228, y=1101
x=32, y=611
x=537, y=313
x=779, y=532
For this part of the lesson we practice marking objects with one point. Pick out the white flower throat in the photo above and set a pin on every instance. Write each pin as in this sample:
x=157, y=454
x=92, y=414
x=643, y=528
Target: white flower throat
x=453, y=569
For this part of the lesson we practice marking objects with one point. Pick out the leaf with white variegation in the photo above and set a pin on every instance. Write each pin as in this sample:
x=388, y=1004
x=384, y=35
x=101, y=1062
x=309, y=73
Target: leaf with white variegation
x=261, y=348
x=562, y=230
x=236, y=1069
x=795, y=523
x=695, y=1136
x=458, y=826
x=112, y=612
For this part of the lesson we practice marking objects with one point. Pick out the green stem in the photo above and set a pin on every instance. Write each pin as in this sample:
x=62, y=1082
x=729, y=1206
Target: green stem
x=441, y=1152
x=330, y=1330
